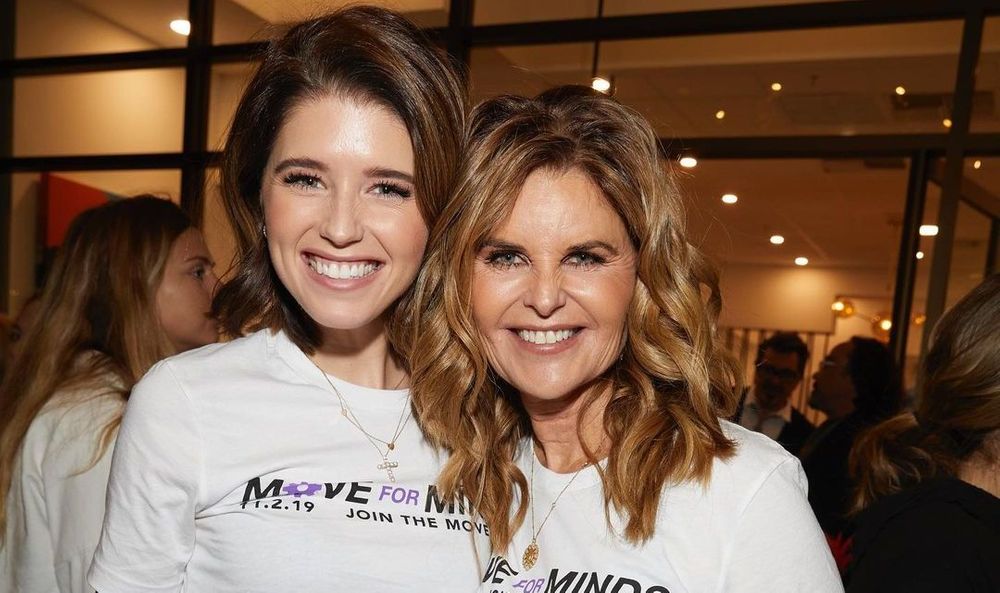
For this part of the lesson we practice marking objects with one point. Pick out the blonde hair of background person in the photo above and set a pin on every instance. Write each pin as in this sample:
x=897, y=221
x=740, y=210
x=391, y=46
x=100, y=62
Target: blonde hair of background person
x=955, y=430
x=673, y=380
x=106, y=316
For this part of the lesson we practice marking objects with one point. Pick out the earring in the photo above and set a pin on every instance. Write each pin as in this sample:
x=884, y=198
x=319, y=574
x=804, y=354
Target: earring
x=263, y=229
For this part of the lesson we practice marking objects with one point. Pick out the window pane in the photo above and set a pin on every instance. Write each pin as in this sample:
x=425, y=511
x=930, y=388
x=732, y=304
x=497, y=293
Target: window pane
x=984, y=111
x=228, y=82
x=65, y=194
x=493, y=12
x=129, y=111
x=237, y=21
x=810, y=204
x=837, y=81
x=65, y=27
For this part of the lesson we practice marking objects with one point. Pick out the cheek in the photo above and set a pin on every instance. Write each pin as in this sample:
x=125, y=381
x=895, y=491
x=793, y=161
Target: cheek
x=403, y=232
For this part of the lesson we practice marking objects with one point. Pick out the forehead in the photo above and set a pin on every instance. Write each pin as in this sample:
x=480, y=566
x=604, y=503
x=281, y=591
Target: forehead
x=788, y=360
x=559, y=206
x=335, y=125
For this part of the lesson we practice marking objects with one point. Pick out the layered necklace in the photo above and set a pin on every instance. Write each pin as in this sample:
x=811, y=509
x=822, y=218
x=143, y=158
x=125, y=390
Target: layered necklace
x=387, y=464
x=531, y=552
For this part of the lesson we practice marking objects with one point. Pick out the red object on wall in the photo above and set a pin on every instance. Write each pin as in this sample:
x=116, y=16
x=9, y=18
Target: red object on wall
x=61, y=201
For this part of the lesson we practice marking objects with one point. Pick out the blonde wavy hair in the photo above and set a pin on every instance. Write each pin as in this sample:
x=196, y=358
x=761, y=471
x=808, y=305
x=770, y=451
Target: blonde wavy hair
x=958, y=413
x=97, y=328
x=673, y=380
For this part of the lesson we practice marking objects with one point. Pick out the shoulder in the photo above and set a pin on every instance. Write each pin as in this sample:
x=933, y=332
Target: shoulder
x=79, y=410
x=194, y=370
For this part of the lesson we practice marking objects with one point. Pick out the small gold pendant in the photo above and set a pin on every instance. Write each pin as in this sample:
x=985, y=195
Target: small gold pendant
x=530, y=555
x=392, y=446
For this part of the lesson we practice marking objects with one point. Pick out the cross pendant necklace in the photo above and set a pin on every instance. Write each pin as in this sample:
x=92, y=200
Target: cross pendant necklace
x=388, y=466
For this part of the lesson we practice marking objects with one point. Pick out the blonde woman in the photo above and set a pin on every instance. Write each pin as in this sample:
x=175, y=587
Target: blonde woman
x=929, y=483
x=568, y=360
x=131, y=285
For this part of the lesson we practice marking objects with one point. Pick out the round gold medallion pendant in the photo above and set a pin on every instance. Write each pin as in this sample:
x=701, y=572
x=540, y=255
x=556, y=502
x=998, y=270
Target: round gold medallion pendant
x=530, y=556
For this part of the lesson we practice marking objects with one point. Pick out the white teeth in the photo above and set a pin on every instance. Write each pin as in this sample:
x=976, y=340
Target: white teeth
x=342, y=271
x=545, y=337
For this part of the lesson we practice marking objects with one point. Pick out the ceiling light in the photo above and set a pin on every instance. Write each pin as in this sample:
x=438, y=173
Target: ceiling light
x=946, y=122
x=729, y=199
x=977, y=163
x=181, y=26
x=842, y=308
x=777, y=239
x=689, y=162
x=601, y=85
x=775, y=86
x=720, y=114
x=928, y=230
x=900, y=91
x=801, y=261
x=920, y=255
x=885, y=324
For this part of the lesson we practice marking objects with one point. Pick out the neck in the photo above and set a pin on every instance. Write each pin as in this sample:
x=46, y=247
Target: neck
x=558, y=428
x=361, y=356
x=982, y=474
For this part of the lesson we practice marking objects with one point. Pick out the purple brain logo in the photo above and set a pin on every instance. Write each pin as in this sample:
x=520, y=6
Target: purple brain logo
x=302, y=489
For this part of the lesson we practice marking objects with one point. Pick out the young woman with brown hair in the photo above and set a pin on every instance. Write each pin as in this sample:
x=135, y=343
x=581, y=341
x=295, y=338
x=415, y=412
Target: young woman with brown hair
x=929, y=482
x=568, y=360
x=287, y=459
x=131, y=285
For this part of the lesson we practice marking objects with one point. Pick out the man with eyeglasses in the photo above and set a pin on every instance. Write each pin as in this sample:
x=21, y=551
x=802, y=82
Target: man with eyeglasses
x=767, y=408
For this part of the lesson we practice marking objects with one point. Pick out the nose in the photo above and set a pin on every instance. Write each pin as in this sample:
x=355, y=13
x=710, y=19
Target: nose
x=342, y=225
x=545, y=292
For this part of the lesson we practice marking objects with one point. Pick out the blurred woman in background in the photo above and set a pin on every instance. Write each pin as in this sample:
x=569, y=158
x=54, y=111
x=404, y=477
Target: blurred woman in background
x=929, y=482
x=132, y=284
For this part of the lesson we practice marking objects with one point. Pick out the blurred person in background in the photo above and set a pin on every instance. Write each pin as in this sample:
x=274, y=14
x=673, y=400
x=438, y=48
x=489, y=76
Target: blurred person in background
x=767, y=408
x=929, y=482
x=857, y=386
x=131, y=285
x=20, y=325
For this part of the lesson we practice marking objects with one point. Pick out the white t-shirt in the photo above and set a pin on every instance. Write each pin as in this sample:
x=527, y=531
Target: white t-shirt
x=235, y=471
x=749, y=531
x=55, y=505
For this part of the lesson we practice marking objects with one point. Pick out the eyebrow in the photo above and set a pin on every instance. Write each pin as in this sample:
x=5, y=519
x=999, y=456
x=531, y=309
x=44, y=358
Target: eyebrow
x=199, y=258
x=299, y=162
x=389, y=173
x=586, y=246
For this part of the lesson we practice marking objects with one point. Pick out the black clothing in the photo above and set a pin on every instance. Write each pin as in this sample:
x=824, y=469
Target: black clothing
x=824, y=460
x=794, y=433
x=940, y=536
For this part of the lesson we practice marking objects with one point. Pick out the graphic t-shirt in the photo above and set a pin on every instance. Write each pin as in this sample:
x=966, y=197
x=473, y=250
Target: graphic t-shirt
x=235, y=471
x=750, y=530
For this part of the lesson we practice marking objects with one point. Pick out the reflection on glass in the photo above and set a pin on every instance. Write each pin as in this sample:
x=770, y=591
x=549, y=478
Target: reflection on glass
x=835, y=81
x=69, y=27
x=128, y=111
x=844, y=216
x=39, y=202
x=238, y=21
x=228, y=82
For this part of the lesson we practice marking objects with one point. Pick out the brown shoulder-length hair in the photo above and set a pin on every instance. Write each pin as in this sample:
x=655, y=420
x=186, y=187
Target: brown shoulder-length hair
x=672, y=382
x=958, y=413
x=364, y=53
x=97, y=329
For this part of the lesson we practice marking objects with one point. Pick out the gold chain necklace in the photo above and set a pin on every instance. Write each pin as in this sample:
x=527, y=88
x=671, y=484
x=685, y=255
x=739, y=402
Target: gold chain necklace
x=387, y=466
x=531, y=552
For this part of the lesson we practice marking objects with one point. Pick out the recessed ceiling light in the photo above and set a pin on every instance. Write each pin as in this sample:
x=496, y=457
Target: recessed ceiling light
x=775, y=86
x=601, y=85
x=920, y=255
x=801, y=261
x=777, y=239
x=946, y=122
x=977, y=163
x=181, y=26
x=688, y=162
x=720, y=114
x=900, y=90
x=928, y=230
x=730, y=199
